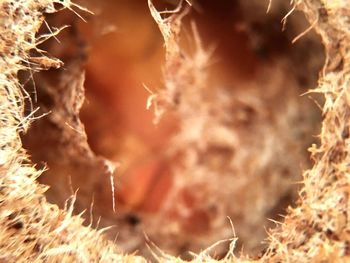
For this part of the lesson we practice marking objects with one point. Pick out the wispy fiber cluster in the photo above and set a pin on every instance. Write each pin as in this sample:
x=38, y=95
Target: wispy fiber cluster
x=32, y=230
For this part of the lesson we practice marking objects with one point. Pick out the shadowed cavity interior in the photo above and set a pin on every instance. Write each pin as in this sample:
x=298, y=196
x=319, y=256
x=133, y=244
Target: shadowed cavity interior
x=233, y=147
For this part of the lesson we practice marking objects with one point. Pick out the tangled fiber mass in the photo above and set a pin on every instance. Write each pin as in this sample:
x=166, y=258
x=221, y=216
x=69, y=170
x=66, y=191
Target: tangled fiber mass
x=316, y=229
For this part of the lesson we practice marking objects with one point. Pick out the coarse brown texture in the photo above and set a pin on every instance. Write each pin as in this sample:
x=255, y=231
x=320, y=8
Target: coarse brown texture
x=243, y=128
x=318, y=228
x=33, y=230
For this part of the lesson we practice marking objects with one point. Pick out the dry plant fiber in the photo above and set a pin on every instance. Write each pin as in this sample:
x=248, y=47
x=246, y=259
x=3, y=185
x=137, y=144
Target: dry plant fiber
x=32, y=230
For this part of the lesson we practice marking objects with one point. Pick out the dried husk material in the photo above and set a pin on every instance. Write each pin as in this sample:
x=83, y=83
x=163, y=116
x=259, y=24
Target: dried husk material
x=32, y=230
x=317, y=229
x=229, y=134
